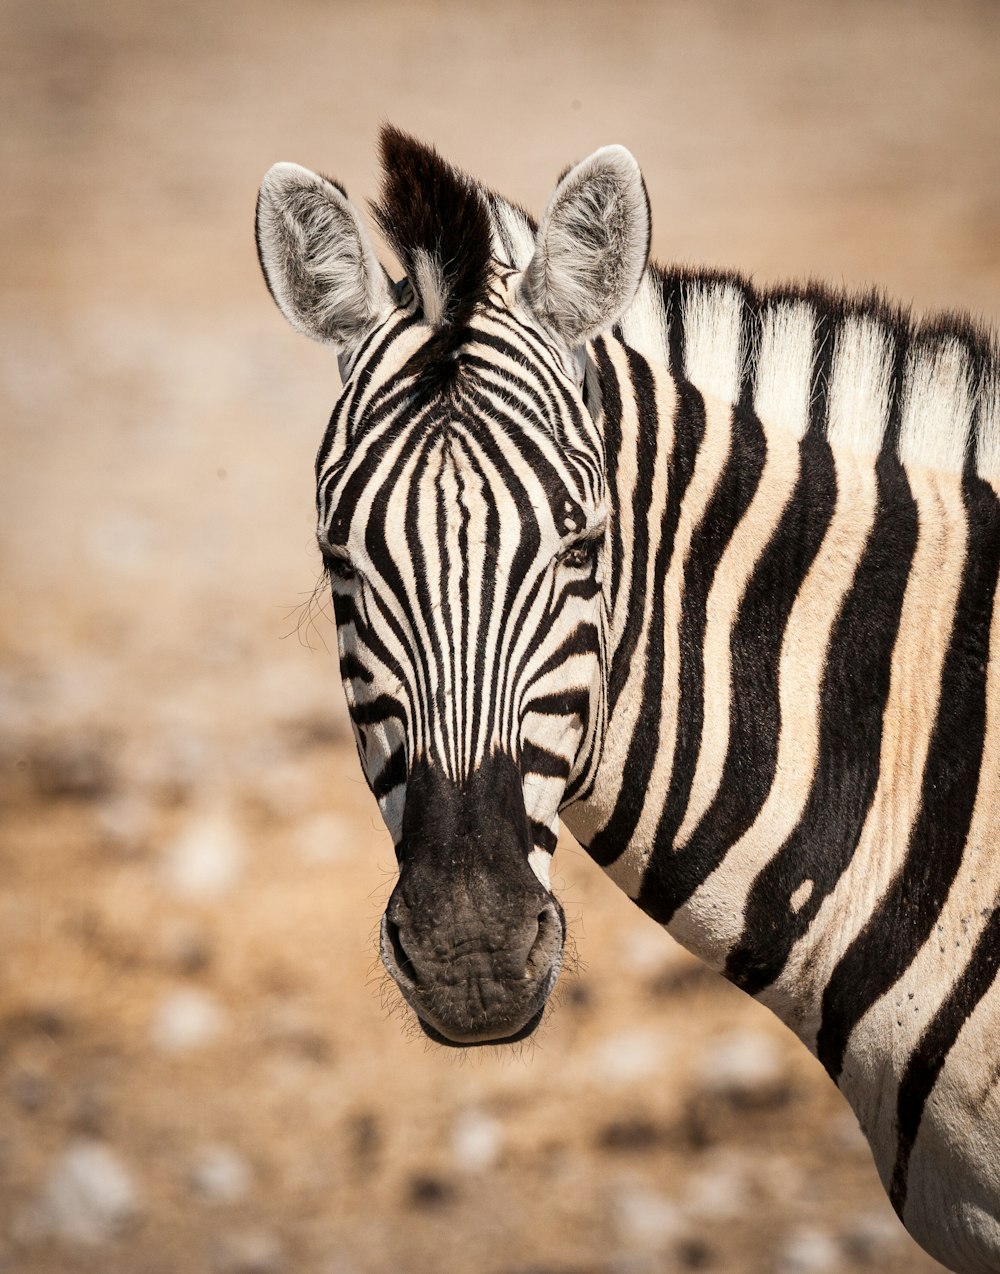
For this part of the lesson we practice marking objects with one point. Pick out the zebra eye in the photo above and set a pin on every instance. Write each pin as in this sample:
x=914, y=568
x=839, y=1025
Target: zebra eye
x=340, y=568
x=581, y=555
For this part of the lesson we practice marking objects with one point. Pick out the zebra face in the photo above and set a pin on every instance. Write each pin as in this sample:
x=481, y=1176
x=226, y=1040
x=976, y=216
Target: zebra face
x=463, y=524
x=462, y=517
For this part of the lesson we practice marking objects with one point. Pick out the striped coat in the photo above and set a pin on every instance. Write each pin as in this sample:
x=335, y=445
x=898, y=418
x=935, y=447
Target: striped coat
x=761, y=688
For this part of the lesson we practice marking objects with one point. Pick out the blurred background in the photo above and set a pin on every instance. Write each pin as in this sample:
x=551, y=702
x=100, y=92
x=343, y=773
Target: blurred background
x=200, y=1069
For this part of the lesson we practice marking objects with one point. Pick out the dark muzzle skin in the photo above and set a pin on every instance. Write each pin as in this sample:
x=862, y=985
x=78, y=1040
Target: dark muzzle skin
x=471, y=936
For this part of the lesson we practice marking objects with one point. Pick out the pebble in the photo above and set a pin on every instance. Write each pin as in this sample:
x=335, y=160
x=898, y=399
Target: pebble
x=476, y=1141
x=125, y=824
x=187, y=1019
x=294, y=1028
x=630, y=1056
x=219, y=1174
x=809, y=1251
x=720, y=1191
x=744, y=1066
x=644, y=1218
x=323, y=838
x=647, y=950
x=253, y=1252
x=206, y=859
x=90, y=1196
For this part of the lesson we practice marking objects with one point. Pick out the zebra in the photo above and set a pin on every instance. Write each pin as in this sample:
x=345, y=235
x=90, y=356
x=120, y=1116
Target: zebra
x=707, y=571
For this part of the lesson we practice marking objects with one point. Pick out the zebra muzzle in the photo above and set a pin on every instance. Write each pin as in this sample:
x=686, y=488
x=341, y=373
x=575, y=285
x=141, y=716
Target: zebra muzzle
x=468, y=985
x=471, y=937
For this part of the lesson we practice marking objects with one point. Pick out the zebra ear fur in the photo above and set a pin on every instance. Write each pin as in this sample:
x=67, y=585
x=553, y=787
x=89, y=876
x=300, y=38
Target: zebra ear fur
x=317, y=259
x=591, y=249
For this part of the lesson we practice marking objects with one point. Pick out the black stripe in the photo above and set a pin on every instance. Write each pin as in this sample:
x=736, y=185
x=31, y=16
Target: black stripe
x=378, y=710
x=689, y=430
x=929, y=1056
x=392, y=774
x=905, y=917
x=538, y=760
x=641, y=500
x=822, y=366
x=855, y=689
x=358, y=382
x=734, y=492
x=352, y=669
x=754, y=715
x=543, y=836
x=564, y=703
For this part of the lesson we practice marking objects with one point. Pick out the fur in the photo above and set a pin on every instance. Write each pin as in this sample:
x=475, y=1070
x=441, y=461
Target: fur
x=592, y=247
x=769, y=705
x=437, y=222
x=317, y=260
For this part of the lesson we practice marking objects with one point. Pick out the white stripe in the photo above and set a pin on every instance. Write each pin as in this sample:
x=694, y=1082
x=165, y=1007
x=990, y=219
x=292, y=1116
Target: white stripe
x=937, y=407
x=644, y=323
x=784, y=367
x=860, y=385
x=713, y=339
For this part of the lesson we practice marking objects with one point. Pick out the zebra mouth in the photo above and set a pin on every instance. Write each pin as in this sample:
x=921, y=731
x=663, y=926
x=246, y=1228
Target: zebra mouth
x=529, y=1028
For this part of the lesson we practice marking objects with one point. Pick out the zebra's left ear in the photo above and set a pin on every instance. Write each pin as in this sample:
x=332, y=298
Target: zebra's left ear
x=591, y=249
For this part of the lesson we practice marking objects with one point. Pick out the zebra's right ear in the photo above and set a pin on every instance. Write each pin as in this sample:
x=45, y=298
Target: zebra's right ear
x=317, y=259
x=592, y=247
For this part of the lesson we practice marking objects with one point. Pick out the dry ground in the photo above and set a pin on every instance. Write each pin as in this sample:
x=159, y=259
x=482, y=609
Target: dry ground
x=191, y=871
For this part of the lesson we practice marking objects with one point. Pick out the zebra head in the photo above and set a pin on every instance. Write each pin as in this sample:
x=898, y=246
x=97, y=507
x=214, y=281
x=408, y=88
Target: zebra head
x=462, y=518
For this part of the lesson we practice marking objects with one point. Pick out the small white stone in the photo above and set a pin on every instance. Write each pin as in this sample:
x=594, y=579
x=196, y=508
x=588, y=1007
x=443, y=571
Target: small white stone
x=89, y=1197
x=476, y=1141
x=323, y=838
x=646, y=949
x=743, y=1064
x=644, y=1218
x=719, y=1191
x=206, y=858
x=809, y=1251
x=219, y=1174
x=630, y=1056
x=255, y=1252
x=125, y=822
x=186, y=1020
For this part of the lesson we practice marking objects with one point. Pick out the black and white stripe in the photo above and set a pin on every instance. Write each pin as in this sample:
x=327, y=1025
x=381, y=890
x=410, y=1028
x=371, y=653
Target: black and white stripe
x=770, y=704
x=812, y=701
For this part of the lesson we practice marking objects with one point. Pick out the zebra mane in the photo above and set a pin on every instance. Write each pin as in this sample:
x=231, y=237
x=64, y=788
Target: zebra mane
x=810, y=356
x=437, y=222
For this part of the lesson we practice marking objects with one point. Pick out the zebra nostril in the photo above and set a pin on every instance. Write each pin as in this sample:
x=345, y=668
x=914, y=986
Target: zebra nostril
x=404, y=965
x=544, y=948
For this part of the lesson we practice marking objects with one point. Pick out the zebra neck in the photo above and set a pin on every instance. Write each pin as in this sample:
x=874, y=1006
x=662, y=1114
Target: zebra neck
x=683, y=467
x=798, y=643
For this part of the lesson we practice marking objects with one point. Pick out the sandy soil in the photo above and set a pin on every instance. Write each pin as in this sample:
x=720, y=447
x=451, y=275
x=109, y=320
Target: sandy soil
x=199, y=1068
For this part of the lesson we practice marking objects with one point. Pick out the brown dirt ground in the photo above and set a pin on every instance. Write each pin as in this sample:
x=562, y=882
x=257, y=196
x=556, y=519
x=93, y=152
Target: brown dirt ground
x=158, y=424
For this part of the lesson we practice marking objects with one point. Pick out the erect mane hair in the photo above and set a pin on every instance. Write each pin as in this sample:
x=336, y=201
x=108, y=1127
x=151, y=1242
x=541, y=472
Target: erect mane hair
x=940, y=374
x=437, y=222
